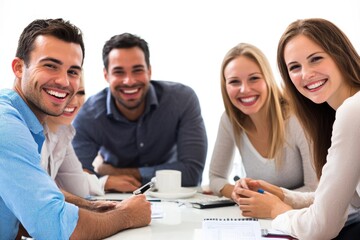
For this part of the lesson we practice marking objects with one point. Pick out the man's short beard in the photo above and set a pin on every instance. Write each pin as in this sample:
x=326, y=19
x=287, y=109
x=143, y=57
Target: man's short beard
x=43, y=109
x=122, y=103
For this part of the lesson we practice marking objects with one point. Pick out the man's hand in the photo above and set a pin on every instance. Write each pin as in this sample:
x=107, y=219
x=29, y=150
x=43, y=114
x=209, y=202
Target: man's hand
x=138, y=206
x=103, y=168
x=121, y=183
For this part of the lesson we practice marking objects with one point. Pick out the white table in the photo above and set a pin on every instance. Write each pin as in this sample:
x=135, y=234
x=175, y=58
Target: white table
x=180, y=220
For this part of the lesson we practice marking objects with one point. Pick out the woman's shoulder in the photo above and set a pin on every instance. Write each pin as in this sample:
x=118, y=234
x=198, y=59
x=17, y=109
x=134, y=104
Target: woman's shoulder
x=292, y=122
x=65, y=133
x=225, y=124
x=294, y=129
x=351, y=103
x=350, y=109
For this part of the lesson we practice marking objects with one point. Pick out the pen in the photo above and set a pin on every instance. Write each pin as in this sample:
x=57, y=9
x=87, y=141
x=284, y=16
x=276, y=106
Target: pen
x=144, y=188
x=260, y=191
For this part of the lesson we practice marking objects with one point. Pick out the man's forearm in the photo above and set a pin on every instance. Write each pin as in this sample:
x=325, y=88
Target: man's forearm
x=129, y=213
x=107, y=169
x=98, y=226
x=78, y=201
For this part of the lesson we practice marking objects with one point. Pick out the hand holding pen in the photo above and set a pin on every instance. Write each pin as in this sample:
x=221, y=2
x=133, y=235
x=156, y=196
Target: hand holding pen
x=144, y=188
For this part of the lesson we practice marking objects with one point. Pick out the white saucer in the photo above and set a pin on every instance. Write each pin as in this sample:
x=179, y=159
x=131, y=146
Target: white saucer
x=183, y=193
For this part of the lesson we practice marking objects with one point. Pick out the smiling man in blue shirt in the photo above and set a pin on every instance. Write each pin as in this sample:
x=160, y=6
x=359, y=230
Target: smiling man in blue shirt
x=47, y=68
x=138, y=125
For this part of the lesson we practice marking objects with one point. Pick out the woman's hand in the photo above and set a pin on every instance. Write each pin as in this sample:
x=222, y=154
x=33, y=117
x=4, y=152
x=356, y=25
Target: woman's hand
x=255, y=185
x=259, y=205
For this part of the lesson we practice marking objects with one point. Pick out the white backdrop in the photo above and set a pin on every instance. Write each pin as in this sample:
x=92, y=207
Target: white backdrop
x=187, y=38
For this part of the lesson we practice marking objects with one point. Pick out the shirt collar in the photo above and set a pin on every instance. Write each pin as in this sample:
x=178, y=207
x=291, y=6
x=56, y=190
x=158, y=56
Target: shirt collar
x=28, y=115
x=151, y=103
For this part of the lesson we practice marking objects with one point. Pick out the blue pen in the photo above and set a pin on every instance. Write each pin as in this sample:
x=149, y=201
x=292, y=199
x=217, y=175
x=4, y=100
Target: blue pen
x=260, y=191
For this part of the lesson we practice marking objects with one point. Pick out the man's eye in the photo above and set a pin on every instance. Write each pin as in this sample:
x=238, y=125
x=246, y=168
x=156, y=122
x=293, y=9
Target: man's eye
x=138, y=71
x=81, y=93
x=50, y=66
x=73, y=72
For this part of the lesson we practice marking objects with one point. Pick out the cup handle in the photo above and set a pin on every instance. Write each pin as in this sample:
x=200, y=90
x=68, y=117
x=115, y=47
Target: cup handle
x=153, y=181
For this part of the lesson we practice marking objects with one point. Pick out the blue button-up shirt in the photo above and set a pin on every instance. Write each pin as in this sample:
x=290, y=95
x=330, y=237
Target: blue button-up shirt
x=27, y=193
x=170, y=134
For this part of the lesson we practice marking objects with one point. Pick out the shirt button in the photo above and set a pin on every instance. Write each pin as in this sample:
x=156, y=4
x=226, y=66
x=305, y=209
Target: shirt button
x=141, y=144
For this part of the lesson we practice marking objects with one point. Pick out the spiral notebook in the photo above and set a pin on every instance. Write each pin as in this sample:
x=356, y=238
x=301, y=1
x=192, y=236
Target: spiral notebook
x=231, y=228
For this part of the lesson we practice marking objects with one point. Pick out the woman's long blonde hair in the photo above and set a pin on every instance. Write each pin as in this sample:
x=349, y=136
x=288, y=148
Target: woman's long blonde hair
x=277, y=107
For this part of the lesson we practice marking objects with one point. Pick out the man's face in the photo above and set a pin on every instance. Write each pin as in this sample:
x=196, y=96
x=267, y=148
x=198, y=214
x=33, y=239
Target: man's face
x=128, y=77
x=51, y=77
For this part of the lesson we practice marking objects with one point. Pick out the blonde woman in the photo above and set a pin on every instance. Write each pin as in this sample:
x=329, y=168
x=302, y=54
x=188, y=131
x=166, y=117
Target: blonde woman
x=258, y=123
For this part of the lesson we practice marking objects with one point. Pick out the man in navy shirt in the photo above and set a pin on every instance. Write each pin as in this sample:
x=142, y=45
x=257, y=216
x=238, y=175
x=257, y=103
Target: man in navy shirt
x=137, y=126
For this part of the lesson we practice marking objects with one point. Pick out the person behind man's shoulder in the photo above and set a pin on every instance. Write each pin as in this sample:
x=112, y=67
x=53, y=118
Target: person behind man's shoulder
x=137, y=125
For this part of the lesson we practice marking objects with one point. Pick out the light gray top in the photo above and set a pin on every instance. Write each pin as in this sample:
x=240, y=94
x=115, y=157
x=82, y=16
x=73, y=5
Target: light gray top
x=64, y=166
x=296, y=170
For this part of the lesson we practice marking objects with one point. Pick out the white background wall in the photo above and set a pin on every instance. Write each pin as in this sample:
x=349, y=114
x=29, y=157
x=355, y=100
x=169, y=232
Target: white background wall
x=188, y=39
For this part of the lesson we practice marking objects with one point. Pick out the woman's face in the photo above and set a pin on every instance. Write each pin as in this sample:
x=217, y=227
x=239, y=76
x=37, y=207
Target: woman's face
x=314, y=73
x=71, y=109
x=245, y=85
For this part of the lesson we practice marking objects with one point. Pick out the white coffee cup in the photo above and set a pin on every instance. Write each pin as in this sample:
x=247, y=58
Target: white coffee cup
x=168, y=181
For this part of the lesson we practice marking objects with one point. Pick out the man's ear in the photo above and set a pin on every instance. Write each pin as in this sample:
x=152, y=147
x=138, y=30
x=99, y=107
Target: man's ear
x=17, y=67
x=105, y=75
